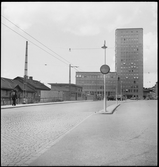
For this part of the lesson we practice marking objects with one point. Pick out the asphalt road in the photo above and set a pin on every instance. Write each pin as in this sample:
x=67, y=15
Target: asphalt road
x=128, y=137
x=27, y=132
x=61, y=134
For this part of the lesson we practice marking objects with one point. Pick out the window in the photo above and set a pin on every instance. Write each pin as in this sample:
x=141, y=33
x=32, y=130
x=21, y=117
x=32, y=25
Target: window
x=6, y=93
x=79, y=76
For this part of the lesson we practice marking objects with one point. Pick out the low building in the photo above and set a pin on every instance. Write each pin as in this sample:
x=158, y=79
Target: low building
x=51, y=96
x=69, y=91
x=151, y=93
x=93, y=84
x=37, y=86
x=32, y=91
x=8, y=85
x=155, y=90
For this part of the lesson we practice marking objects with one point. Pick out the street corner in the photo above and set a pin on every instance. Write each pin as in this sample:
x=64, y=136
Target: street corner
x=109, y=109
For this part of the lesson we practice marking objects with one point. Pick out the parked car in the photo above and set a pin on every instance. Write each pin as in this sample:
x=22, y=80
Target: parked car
x=111, y=98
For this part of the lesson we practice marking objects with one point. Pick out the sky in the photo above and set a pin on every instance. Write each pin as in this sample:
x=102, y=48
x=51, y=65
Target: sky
x=63, y=33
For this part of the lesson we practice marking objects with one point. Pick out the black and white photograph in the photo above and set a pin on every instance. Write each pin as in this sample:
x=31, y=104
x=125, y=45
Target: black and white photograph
x=79, y=83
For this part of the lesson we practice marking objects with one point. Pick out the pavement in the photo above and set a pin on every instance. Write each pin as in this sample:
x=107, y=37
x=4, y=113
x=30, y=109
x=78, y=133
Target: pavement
x=84, y=144
x=46, y=156
x=91, y=144
x=38, y=104
x=109, y=110
x=92, y=141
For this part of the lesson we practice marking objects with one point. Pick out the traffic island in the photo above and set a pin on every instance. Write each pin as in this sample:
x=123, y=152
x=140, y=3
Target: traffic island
x=109, y=109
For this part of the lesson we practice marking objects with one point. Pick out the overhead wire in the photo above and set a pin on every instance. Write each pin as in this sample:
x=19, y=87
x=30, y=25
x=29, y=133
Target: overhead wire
x=36, y=40
x=82, y=48
x=45, y=45
x=34, y=43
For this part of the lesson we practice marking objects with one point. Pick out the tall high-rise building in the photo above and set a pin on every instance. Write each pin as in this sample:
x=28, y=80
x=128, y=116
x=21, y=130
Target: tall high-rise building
x=129, y=61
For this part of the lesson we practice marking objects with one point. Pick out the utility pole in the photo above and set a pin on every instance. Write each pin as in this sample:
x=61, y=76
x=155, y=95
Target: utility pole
x=25, y=73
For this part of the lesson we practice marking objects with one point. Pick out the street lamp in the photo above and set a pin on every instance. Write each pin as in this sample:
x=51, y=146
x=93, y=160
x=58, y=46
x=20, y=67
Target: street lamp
x=121, y=91
x=105, y=98
x=117, y=78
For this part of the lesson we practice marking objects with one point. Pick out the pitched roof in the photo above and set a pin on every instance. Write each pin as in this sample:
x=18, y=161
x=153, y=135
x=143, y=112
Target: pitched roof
x=7, y=83
x=21, y=85
x=11, y=84
x=35, y=84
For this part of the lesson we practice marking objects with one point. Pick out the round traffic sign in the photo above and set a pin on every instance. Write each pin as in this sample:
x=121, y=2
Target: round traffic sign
x=104, y=69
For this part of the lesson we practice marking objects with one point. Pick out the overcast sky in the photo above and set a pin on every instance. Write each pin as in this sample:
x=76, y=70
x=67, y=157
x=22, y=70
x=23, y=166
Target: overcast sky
x=81, y=26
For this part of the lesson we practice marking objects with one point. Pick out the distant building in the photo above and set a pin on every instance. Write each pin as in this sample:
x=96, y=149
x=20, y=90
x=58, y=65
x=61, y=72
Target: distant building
x=70, y=91
x=156, y=90
x=32, y=92
x=129, y=60
x=151, y=93
x=37, y=86
x=93, y=84
x=7, y=86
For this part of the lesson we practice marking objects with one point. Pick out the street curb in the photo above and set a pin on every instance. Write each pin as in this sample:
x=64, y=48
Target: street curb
x=39, y=104
x=110, y=109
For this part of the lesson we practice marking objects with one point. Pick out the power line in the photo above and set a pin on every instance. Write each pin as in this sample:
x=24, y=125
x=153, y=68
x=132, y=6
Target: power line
x=36, y=39
x=38, y=46
x=34, y=43
x=82, y=48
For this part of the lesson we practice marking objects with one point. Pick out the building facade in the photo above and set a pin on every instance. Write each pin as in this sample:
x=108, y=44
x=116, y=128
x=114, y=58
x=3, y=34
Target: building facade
x=32, y=91
x=129, y=61
x=69, y=91
x=35, y=85
x=93, y=84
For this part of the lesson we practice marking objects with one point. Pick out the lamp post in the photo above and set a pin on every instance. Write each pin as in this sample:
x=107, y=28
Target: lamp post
x=121, y=91
x=105, y=98
x=116, y=88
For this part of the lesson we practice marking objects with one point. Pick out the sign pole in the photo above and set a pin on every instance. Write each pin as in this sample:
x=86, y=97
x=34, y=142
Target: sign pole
x=105, y=98
x=105, y=101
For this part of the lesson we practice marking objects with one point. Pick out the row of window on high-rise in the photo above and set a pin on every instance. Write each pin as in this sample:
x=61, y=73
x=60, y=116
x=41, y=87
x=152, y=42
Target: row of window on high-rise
x=133, y=49
x=130, y=31
x=130, y=77
x=95, y=76
x=97, y=82
x=130, y=40
x=128, y=60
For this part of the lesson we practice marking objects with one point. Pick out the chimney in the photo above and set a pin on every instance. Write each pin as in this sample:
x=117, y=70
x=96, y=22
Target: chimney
x=31, y=78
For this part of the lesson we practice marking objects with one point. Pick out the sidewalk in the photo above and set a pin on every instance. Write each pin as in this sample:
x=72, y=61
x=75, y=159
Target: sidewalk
x=85, y=144
x=38, y=104
x=110, y=109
